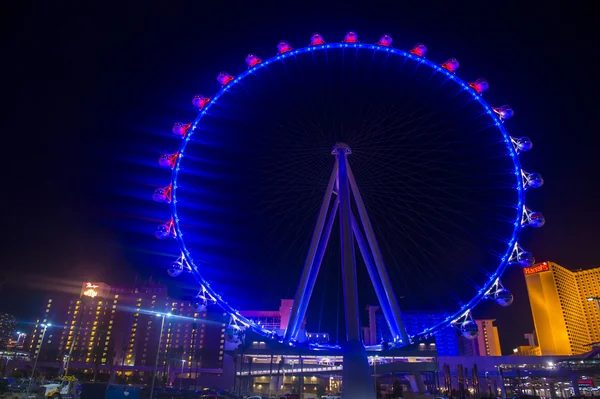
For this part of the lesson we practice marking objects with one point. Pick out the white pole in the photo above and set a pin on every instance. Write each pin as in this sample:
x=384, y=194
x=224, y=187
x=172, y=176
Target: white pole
x=157, y=355
x=181, y=376
x=36, y=358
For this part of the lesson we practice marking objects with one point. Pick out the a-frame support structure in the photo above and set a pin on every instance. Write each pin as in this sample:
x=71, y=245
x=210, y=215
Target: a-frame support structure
x=341, y=189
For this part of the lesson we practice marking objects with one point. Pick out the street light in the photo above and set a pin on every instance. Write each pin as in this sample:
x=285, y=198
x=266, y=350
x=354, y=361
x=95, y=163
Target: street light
x=20, y=336
x=181, y=376
x=595, y=298
x=37, y=356
x=162, y=325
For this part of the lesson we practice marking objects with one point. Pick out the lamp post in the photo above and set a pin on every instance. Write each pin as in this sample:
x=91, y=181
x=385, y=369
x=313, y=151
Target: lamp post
x=595, y=298
x=37, y=356
x=293, y=384
x=181, y=376
x=162, y=325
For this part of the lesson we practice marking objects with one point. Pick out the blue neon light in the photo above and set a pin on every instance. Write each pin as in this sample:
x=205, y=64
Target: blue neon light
x=437, y=69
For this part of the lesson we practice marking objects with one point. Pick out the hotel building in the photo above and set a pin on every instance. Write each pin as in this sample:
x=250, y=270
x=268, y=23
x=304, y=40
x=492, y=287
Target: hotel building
x=566, y=323
x=447, y=340
x=117, y=329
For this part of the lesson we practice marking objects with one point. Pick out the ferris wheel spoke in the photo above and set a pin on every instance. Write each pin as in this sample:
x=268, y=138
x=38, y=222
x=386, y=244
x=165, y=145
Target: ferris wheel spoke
x=435, y=214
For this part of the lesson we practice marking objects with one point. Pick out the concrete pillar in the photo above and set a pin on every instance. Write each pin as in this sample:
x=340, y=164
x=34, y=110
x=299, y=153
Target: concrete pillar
x=416, y=382
x=552, y=390
x=575, y=385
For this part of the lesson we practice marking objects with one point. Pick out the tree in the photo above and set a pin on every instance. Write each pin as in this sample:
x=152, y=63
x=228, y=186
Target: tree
x=320, y=390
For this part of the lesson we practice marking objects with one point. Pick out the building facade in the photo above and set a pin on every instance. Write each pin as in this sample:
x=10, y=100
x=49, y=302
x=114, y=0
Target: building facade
x=377, y=331
x=277, y=320
x=566, y=323
x=448, y=341
x=120, y=329
x=8, y=328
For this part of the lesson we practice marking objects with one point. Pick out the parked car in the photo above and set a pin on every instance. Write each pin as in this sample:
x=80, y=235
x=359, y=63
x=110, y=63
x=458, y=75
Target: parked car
x=5, y=383
x=22, y=384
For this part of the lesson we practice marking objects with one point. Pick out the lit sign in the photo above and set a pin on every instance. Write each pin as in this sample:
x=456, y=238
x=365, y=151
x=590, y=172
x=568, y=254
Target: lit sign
x=543, y=267
x=90, y=290
x=585, y=383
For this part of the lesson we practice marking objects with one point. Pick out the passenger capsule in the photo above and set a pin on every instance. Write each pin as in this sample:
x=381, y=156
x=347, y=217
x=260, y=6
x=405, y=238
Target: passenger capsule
x=536, y=219
x=283, y=47
x=252, y=60
x=385, y=40
x=351, y=37
x=167, y=160
x=316, y=39
x=525, y=259
x=200, y=303
x=480, y=85
x=469, y=329
x=165, y=231
x=419, y=50
x=451, y=65
x=534, y=180
x=232, y=333
x=176, y=268
x=224, y=78
x=200, y=101
x=522, y=143
x=181, y=129
x=503, y=297
x=162, y=194
x=504, y=112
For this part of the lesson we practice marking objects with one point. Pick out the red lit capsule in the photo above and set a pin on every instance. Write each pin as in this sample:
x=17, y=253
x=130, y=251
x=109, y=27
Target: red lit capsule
x=200, y=101
x=168, y=160
x=224, y=78
x=419, y=49
x=504, y=112
x=351, y=37
x=480, y=85
x=181, y=129
x=252, y=60
x=385, y=40
x=316, y=39
x=451, y=64
x=166, y=230
x=283, y=47
x=162, y=194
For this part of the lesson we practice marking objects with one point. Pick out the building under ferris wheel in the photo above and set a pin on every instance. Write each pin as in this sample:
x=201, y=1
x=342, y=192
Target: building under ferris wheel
x=414, y=171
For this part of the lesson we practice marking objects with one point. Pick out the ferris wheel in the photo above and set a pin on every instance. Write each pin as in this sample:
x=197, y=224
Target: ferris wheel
x=411, y=162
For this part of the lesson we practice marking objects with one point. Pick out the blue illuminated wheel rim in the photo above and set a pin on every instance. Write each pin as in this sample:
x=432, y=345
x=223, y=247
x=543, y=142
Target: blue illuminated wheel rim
x=511, y=149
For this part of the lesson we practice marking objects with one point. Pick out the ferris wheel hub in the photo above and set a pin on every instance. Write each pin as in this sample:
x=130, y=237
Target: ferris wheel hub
x=341, y=147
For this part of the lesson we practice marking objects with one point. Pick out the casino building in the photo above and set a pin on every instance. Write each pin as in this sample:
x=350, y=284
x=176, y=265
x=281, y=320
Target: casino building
x=566, y=322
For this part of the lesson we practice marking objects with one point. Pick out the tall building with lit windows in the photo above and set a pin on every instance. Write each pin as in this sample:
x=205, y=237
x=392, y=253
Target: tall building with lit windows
x=487, y=342
x=566, y=323
x=8, y=326
x=118, y=329
x=377, y=331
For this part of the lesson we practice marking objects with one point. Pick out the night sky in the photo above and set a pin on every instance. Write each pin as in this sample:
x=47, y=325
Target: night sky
x=94, y=85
